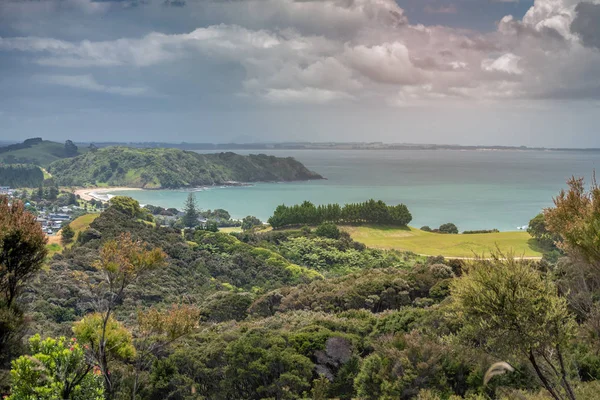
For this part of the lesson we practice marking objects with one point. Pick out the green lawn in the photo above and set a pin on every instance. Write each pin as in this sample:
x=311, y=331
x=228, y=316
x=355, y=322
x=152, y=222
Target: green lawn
x=230, y=229
x=519, y=243
x=82, y=223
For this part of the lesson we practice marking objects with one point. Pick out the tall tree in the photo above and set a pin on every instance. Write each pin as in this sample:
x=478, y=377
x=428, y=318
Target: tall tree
x=122, y=262
x=512, y=311
x=22, y=248
x=190, y=219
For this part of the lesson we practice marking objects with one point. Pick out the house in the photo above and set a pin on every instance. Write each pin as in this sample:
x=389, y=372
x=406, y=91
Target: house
x=5, y=190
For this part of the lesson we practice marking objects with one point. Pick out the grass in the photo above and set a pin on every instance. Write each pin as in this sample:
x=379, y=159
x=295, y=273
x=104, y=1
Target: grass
x=426, y=243
x=82, y=223
x=42, y=154
x=230, y=229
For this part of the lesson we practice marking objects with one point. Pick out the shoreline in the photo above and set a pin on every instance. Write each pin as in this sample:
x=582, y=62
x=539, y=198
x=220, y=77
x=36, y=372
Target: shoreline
x=101, y=194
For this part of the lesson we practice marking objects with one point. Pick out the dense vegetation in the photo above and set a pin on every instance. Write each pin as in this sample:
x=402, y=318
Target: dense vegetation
x=20, y=175
x=376, y=212
x=160, y=313
x=171, y=168
x=38, y=152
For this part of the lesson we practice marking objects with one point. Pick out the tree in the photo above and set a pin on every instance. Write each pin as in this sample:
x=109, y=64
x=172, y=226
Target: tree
x=537, y=229
x=328, y=230
x=121, y=263
x=575, y=220
x=512, y=311
x=158, y=329
x=449, y=228
x=190, y=218
x=250, y=222
x=57, y=369
x=22, y=248
x=93, y=148
x=67, y=233
x=126, y=205
x=70, y=149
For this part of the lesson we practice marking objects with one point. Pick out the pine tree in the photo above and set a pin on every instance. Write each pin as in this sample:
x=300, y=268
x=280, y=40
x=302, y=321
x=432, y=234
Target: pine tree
x=190, y=219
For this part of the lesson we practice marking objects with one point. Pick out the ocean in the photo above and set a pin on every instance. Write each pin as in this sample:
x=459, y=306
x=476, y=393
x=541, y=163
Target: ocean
x=473, y=189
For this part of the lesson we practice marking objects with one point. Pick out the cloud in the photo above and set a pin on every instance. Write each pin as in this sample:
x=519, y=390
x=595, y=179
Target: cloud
x=306, y=95
x=327, y=51
x=508, y=63
x=87, y=82
x=587, y=24
x=449, y=9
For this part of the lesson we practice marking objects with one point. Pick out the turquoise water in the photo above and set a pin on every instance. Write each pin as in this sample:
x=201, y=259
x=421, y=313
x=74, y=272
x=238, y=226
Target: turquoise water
x=474, y=189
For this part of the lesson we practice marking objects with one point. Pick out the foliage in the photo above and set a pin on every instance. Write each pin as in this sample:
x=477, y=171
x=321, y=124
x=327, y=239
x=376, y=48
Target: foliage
x=22, y=248
x=537, y=229
x=172, y=168
x=448, y=228
x=328, y=230
x=126, y=205
x=121, y=263
x=34, y=151
x=67, y=233
x=57, y=369
x=190, y=217
x=481, y=231
x=20, y=175
x=250, y=222
x=513, y=311
x=93, y=331
x=368, y=212
x=70, y=149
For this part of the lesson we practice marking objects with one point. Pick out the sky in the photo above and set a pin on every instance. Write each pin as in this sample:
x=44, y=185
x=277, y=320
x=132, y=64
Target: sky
x=472, y=72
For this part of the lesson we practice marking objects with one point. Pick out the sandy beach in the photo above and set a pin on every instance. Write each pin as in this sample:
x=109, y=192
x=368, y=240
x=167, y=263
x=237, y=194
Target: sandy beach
x=99, y=193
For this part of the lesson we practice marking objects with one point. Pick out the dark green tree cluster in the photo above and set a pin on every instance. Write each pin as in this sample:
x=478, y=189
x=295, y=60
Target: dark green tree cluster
x=20, y=175
x=371, y=212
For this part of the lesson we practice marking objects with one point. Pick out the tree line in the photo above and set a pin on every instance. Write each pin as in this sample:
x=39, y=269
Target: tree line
x=19, y=175
x=371, y=211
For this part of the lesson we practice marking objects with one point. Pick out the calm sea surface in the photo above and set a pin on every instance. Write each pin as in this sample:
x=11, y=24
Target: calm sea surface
x=474, y=189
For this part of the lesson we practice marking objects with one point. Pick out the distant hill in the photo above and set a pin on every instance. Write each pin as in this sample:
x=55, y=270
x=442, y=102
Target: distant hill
x=36, y=151
x=172, y=168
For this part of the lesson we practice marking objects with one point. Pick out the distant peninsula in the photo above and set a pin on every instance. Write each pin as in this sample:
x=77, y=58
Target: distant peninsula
x=163, y=168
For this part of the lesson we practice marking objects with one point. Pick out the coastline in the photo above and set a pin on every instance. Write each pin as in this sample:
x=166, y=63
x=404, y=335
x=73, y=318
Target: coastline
x=99, y=193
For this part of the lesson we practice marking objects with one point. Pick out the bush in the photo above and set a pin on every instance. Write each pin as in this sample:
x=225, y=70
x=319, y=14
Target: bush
x=426, y=228
x=481, y=231
x=448, y=228
x=67, y=233
x=328, y=230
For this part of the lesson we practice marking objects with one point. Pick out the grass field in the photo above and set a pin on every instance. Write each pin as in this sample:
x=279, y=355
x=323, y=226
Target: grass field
x=426, y=243
x=79, y=225
x=230, y=229
x=42, y=154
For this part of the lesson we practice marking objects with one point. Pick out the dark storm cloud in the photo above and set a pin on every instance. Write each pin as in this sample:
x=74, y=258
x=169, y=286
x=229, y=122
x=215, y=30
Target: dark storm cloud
x=587, y=24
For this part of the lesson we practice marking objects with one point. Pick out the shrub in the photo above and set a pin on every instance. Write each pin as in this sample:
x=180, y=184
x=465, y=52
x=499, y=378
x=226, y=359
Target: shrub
x=328, y=230
x=448, y=228
x=426, y=228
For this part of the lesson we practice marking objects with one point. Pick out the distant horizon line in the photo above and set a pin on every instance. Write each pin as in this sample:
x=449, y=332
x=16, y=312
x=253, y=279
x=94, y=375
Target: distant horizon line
x=324, y=145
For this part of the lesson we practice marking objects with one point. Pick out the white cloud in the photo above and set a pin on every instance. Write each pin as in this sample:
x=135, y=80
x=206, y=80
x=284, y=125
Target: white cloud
x=508, y=63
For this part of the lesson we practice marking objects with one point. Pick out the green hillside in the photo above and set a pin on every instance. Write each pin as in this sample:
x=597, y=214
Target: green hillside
x=35, y=151
x=172, y=168
x=411, y=239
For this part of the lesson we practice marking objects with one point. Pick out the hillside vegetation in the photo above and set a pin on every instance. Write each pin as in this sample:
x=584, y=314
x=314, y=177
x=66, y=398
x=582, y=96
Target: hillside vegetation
x=172, y=168
x=36, y=151
x=428, y=243
x=20, y=175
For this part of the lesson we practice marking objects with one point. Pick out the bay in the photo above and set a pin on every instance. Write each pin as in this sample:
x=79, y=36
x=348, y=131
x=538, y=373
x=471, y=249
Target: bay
x=473, y=189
